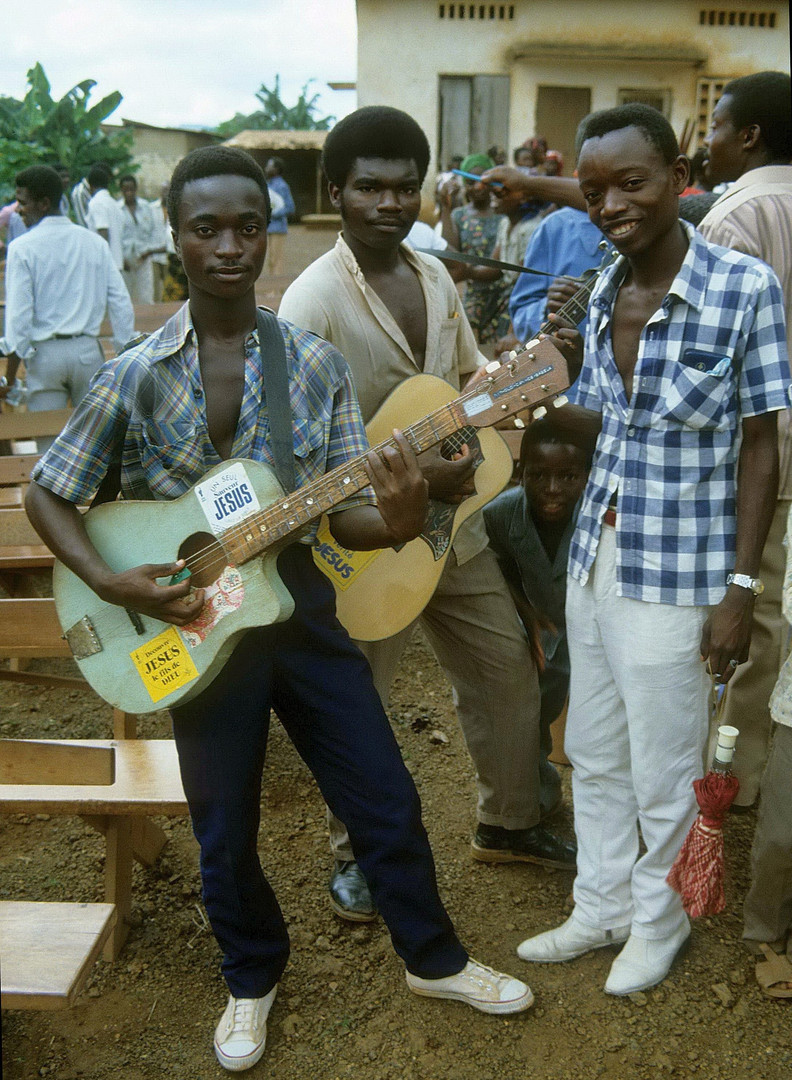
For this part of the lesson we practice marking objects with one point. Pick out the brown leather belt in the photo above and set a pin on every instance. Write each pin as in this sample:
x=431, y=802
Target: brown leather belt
x=610, y=517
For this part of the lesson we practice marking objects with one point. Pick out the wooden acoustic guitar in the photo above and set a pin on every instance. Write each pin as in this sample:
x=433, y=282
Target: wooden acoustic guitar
x=229, y=527
x=379, y=593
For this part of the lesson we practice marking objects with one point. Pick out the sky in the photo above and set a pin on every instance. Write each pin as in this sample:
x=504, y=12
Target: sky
x=184, y=62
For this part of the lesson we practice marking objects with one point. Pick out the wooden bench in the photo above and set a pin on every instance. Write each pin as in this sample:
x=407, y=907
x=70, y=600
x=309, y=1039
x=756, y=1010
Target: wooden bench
x=115, y=786
x=48, y=949
x=21, y=549
x=29, y=629
x=15, y=468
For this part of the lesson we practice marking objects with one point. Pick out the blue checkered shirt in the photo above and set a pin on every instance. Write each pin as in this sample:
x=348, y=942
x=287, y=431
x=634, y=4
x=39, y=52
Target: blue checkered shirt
x=146, y=412
x=714, y=352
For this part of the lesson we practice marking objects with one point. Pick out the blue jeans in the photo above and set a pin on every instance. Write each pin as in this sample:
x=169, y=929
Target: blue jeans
x=320, y=686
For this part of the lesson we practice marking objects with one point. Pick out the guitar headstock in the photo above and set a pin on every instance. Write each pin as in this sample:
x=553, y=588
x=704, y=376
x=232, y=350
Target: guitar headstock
x=537, y=374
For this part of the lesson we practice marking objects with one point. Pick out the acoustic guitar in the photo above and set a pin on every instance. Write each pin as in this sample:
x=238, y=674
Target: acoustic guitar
x=378, y=593
x=229, y=527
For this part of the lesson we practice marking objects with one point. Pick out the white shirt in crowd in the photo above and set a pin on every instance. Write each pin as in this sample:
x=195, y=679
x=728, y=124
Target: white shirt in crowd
x=105, y=213
x=60, y=280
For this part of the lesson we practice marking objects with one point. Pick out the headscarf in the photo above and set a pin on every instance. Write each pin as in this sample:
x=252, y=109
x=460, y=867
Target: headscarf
x=477, y=161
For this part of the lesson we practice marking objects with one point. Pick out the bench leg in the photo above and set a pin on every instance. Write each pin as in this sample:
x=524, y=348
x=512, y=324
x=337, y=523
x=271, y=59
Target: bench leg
x=148, y=838
x=124, y=725
x=118, y=881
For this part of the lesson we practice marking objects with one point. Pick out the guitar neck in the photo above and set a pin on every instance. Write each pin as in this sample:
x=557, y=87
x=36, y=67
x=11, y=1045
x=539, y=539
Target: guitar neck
x=291, y=514
x=574, y=310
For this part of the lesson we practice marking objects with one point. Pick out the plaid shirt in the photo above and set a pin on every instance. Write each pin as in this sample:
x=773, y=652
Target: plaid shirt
x=146, y=411
x=714, y=352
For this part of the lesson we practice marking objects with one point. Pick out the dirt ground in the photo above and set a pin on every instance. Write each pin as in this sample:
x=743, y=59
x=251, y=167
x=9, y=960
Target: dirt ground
x=343, y=1009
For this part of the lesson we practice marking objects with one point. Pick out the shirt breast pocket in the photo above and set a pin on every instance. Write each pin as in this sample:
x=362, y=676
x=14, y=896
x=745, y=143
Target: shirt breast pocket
x=309, y=439
x=700, y=391
x=447, y=345
x=172, y=457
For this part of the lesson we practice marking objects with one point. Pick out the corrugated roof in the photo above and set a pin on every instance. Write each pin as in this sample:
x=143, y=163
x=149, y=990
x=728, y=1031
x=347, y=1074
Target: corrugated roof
x=278, y=140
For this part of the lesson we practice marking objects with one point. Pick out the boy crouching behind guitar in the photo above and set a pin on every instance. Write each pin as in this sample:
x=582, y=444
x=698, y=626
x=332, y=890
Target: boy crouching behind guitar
x=161, y=415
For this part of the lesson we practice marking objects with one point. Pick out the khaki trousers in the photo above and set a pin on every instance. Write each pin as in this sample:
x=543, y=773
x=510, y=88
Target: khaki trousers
x=476, y=635
x=768, y=905
x=748, y=695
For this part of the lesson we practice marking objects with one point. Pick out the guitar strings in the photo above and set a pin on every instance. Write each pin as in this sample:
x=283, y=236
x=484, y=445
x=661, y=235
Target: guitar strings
x=309, y=497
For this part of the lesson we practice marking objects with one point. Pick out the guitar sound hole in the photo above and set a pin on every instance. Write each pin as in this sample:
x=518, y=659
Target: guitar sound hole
x=206, y=558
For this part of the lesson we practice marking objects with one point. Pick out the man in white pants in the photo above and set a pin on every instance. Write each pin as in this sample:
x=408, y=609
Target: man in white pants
x=684, y=371
x=60, y=280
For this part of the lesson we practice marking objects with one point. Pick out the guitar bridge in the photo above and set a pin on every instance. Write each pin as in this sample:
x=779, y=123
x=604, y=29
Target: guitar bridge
x=83, y=639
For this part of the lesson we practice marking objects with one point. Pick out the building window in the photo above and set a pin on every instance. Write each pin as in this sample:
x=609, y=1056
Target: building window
x=659, y=99
x=758, y=20
x=483, y=12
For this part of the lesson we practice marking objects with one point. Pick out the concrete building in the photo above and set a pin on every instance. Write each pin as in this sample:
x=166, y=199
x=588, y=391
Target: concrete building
x=157, y=151
x=479, y=74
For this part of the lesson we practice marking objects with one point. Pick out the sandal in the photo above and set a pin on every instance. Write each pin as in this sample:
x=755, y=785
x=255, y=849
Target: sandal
x=773, y=972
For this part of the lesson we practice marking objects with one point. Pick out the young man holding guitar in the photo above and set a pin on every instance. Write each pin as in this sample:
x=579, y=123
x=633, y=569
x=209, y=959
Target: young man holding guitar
x=162, y=414
x=394, y=314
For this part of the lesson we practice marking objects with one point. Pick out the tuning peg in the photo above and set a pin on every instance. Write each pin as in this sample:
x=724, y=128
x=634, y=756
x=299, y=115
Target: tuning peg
x=514, y=354
x=492, y=366
x=518, y=423
x=539, y=413
x=562, y=399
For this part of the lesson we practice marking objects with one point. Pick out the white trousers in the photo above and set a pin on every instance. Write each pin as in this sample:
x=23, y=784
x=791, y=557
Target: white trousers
x=636, y=729
x=140, y=282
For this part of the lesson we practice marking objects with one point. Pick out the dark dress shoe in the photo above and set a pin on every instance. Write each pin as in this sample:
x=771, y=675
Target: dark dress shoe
x=349, y=894
x=536, y=845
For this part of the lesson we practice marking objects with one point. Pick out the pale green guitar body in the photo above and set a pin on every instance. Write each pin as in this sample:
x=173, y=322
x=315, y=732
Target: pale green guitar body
x=130, y=533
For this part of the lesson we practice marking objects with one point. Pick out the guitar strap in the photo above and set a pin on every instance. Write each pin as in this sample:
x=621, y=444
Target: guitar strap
x=276, y=389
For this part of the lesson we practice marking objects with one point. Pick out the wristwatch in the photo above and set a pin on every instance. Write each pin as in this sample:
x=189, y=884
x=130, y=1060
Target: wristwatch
x=745, y=581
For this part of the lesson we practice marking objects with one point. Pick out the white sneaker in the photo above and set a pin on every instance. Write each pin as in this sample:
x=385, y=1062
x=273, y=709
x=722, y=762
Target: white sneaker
x=486, y=990
x=569, y=940
x=241, y=1035
x=645, y=962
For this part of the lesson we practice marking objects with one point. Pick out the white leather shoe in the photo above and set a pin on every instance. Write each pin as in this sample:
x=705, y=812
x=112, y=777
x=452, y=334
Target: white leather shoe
x=569, y=940
x=645, y=962
x=477, y=985
x=241, y=1035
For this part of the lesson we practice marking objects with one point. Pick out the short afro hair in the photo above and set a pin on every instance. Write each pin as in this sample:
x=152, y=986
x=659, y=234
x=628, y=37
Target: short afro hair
x=652, y=123
x=99, y=175
x=378, y=131
x=764, y=99
x=209, y=161
x=43, y=183
x=543, y=433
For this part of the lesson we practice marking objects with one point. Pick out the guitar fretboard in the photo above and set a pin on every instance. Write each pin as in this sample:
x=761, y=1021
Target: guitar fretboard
x=293, y=512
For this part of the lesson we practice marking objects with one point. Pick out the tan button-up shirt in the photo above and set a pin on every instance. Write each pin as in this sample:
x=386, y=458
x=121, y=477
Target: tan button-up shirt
x=755, y=216
x=333, y=299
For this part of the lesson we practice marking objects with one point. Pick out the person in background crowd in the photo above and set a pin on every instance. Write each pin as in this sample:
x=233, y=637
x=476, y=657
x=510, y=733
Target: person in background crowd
x=162, y=239
x=104, y=215
x=767, y=913
x=60, y=281
x=565, y=243
x=140, y=242
x=685, y=369
x=522, y=157
x=750, y=146
x=473, y=230
x=279, y=226
x=80, y=198
x=530, y=527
